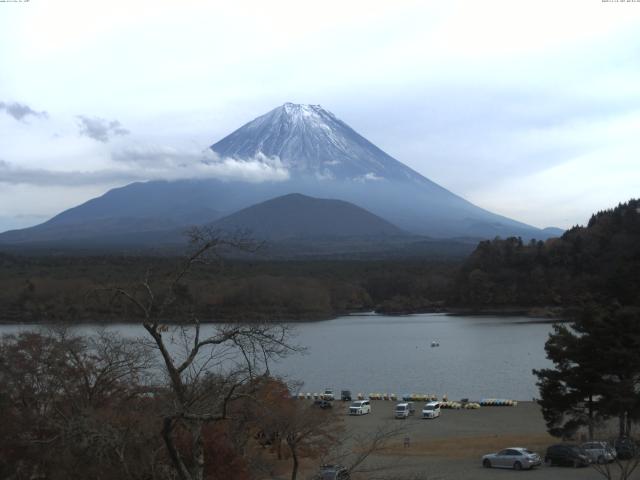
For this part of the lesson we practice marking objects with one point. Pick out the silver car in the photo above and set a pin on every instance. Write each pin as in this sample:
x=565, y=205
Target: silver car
x=517, y=458
x=599, y=452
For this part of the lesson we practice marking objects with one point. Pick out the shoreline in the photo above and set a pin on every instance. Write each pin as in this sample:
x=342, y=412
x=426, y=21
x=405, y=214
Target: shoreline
x=519, y=311
x=550, y=314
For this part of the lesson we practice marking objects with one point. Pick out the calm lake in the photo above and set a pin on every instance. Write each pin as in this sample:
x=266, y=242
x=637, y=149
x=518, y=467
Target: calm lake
x=478, y=357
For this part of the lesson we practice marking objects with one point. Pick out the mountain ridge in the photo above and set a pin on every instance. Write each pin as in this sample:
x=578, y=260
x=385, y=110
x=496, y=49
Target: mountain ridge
x=298, y=216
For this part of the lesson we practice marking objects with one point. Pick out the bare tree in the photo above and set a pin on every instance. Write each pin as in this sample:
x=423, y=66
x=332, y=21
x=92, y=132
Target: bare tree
x=212, y=369
x=620, y=469
x=73, y=407
x=373, y=444
x=308, y=432
x=355, y=450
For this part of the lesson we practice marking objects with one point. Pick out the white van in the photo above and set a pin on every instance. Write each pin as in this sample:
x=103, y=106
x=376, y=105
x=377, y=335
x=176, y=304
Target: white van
x=360, y=407
x=328, y=394
x=403, y=410
x=431, y=410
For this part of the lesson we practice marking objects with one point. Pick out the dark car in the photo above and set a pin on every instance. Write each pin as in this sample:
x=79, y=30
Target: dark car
x=566, y=455
x=345, y=395
x=333, y=472
x=322, y=404
x=625, y=448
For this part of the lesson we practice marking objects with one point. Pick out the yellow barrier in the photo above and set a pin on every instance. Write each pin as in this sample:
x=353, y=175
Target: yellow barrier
x=498, y=402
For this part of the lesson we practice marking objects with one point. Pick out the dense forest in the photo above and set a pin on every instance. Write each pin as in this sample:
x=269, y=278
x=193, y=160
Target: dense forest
x=69, y=288
x=598, y=262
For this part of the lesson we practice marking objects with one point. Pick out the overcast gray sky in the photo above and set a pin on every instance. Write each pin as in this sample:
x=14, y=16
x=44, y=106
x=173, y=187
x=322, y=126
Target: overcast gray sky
x=530, y=109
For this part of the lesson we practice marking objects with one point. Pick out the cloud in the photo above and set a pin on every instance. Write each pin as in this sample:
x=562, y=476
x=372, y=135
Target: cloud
x=169, y=163
x=100, y=129
x=20, y=110
x=143, y=163
x=325, y=175
x=15, y=175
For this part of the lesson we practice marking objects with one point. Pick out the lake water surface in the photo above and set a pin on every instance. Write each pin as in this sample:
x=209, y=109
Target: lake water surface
x=483, y=356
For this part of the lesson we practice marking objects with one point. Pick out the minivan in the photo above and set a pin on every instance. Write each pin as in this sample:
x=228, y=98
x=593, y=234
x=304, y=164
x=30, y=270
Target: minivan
x=599, y=452
x=431, y=410
x=328, y=394
x=360, y=407
x=403, y=410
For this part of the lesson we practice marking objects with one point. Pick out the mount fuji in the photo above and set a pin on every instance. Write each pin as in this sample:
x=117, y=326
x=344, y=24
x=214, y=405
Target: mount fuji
x=322, y=156
x=327, y=158
x=312, y=142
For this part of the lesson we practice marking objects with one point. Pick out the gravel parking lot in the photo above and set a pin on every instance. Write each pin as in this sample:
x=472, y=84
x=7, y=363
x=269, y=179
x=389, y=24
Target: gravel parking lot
x=451, y=446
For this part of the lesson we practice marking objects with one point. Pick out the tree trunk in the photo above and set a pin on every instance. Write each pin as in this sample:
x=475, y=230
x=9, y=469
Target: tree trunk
x=590, y=417
x=179, y=465
x=198, y=451
x=279, y=446
x=294, y=456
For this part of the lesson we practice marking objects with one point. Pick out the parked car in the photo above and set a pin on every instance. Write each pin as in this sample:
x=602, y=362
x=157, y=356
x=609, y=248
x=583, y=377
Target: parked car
x=360, y=407
x=517, y=458
x=431, y=410
x=328, y=394
x=566, y=455
x=321, y=403
x=345, y=395
x=333, y=472
x=625, y=448
x=403, y=410
x=599, y=452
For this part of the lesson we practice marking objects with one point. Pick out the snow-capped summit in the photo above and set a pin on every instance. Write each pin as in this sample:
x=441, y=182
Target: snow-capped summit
x=311, y=141
x=297, y=110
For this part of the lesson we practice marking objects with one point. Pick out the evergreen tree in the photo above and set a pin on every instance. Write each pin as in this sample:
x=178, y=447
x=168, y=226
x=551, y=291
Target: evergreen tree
x=596, y=372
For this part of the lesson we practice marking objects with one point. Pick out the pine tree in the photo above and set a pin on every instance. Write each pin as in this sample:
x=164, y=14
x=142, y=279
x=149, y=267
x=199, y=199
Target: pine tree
x=596, y=372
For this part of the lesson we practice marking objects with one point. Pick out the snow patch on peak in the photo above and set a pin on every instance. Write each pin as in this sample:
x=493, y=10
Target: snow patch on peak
x=369, y=177
x=312, y=142
x=303, y=111
x=306, y=107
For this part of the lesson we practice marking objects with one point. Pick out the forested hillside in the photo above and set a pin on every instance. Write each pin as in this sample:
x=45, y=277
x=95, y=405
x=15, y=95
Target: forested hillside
x=600, y=261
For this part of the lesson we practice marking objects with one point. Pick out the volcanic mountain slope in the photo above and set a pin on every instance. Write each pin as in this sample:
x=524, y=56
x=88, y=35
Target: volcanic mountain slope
x=323, y=157
x=312, y=142
x=297, y=216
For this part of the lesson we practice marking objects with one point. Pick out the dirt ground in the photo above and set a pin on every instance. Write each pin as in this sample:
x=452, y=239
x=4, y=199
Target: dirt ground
x=451, y=447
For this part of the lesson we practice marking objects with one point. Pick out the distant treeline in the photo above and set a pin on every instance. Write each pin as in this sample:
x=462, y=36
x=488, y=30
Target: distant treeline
x=48, y=288
x=599, y=261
